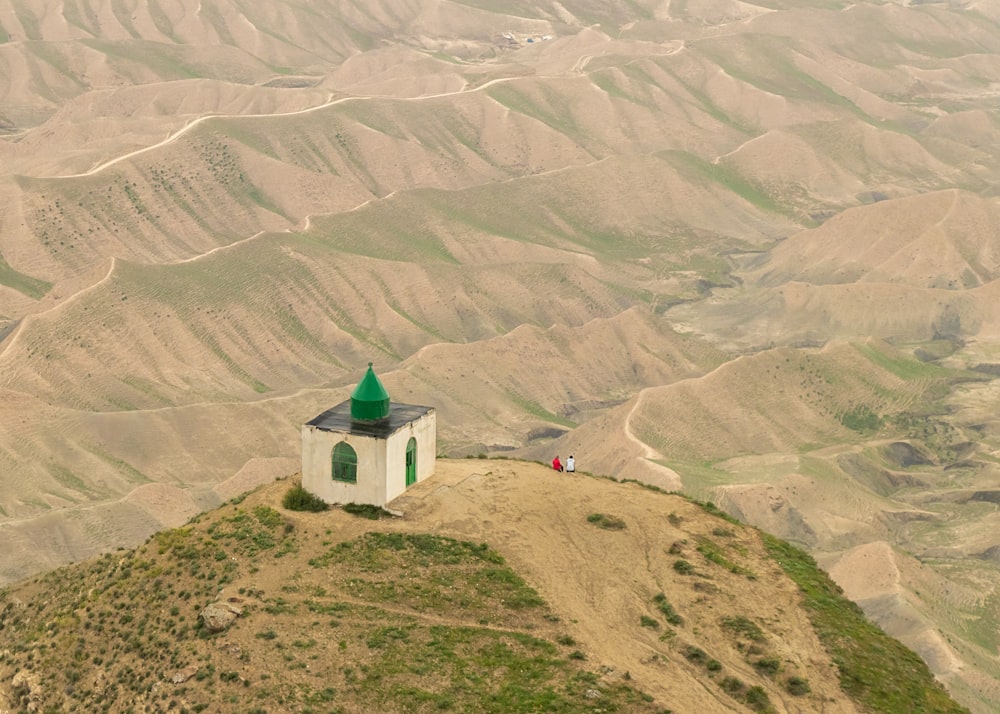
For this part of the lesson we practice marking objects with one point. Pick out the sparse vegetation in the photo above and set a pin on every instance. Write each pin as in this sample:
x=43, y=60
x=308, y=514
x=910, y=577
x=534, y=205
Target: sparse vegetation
x=404, y=605
x=861, y=419
x=478, y=208
x=797, y=686
x=743, y=627
x=664, y=606
x=299, y=499
x=608, y=522
x=683, y=567
x=875, y=669
x=715, y=554
x=366, y=510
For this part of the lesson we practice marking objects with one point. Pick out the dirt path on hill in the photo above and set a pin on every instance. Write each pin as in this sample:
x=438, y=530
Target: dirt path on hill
x=601, y=582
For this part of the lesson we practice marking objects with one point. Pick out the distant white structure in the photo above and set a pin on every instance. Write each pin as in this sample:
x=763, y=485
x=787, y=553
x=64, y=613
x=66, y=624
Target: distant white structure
x=368, y=449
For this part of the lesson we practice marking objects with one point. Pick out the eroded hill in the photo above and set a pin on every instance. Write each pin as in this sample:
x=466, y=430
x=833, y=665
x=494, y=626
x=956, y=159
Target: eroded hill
x=743, y=250
x=504, y=587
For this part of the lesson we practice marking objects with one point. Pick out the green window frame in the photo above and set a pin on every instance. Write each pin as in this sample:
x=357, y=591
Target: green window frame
x=344, y=463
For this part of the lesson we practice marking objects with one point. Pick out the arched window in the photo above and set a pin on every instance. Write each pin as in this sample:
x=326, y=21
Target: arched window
x=345, y=463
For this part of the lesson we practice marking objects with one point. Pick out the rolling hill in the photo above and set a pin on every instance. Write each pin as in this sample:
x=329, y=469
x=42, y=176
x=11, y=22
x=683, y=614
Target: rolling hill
x=743, y=250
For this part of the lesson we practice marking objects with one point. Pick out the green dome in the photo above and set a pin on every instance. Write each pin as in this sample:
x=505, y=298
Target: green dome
x=369, y=400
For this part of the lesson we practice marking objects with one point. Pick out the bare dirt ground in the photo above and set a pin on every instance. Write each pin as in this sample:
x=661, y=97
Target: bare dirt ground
x=602, y=581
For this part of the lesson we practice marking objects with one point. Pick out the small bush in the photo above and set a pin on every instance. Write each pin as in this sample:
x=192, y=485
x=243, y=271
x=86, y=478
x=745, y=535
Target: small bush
x=683, y=567
x=797, y=686
x=603, y=520
x=768, y=666
x=667, y=609
x=647, y=621
x=757, y=699
x=713, y=665
x=732, y=686
x=298, y=499
x=695, y=654
x=366, y=510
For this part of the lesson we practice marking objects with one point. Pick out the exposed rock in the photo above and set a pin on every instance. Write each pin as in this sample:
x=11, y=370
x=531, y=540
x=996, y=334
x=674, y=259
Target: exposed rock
x=231, y=648
x=218, y=616
x=183, y=675
x=27, y=689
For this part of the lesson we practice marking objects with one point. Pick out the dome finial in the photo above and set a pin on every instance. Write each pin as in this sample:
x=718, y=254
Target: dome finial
x=369, y=400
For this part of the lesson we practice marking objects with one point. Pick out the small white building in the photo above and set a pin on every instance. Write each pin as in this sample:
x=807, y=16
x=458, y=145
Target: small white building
x=368, y=449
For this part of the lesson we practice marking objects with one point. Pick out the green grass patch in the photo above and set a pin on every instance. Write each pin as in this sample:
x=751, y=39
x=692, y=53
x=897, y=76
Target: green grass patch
x=861, y=419
x=701, y=171
x=24, y=284
x=875, y=670
x=442, y=573
x=902, y=366
x=537, y=410
x=713, y=553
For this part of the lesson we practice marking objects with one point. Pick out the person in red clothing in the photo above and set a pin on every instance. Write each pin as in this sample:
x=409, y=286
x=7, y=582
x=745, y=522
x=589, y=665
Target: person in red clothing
x=557, y=464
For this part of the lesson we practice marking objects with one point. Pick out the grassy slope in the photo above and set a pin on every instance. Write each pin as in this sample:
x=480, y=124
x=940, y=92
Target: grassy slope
x=339, y=619
x=404, y=622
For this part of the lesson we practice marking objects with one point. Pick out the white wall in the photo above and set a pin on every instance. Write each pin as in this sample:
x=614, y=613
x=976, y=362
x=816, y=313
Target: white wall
x=381, y=463
x=317, y=467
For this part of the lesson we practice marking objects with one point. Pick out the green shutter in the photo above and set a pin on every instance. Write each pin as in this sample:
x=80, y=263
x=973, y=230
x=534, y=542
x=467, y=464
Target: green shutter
x=345, y=463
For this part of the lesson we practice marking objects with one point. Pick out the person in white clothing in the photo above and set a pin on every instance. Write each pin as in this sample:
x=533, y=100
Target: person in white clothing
x=571, y=464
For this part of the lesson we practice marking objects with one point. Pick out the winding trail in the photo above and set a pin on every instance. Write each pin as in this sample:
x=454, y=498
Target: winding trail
x=325, y=105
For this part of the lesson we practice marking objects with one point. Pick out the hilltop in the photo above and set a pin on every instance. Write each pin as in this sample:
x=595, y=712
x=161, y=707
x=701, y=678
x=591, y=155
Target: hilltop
x=744, y=250
x=503, y=586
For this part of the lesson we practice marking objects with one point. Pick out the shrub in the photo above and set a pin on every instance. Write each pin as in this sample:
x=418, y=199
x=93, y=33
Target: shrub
x=861, y=419
x=647, y=621
x=757, y=699
x=768, y=666
x=732, y=686
x=366, y=510
x=695, y=654
x=667, y=609
x=298, y=499
x=603, y=520
x=797, y=686
x=683, y=567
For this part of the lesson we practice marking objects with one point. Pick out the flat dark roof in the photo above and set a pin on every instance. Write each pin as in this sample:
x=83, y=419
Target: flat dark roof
x=339, y=419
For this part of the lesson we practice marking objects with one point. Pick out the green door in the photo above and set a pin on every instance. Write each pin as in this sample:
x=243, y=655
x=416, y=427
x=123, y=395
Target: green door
x=411, y=461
